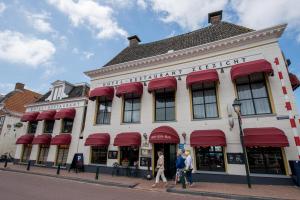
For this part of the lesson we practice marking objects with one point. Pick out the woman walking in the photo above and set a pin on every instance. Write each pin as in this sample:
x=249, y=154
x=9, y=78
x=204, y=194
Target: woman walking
x=160, y=169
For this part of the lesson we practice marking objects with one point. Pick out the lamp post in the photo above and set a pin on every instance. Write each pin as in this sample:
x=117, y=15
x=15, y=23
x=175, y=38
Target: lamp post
x=237, y=108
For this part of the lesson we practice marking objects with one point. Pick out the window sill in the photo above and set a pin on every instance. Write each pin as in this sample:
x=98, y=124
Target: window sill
x=102, y=124
x=205, y=119
x=100, y=165
x=40, y=165
x=259, y=116
x=128, y=123
x=209, y=172
x=270, y=175
x=164, y=121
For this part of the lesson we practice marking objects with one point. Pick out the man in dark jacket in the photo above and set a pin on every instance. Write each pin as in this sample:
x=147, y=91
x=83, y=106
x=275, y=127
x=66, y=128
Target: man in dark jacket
x=180, y=165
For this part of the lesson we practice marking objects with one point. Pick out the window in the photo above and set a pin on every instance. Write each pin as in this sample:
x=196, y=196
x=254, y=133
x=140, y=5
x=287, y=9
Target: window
x=132, y=106
x=129, y=155
x=26, y=152
x=32, y=127
x=266, y=160
x=99, y=155
x=164, y=105
x=62, y=155
x=210, y=158
x=67, y=125
x=253, y=94
x=48, y=126
x=2, y=118
x=43, y=154
x=204, y=101
x=103, y=111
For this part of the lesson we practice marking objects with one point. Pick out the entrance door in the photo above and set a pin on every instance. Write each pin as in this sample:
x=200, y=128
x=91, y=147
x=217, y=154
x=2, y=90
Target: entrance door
x=169, y=151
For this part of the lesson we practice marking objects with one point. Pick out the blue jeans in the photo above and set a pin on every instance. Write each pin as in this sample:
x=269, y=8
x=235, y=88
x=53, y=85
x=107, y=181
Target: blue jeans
x=189, y=176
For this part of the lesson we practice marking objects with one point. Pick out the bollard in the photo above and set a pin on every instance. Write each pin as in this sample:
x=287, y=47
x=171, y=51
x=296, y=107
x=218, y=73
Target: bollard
x=5, y=163
x=58, y=169
x=28, y=165
x=97, y=173
x=182, y=180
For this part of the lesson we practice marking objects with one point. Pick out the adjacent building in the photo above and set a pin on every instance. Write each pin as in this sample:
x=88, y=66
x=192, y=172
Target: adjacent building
x=12, y=107
x=53, y=126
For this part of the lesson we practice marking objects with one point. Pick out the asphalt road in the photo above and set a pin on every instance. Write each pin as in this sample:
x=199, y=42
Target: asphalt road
x=17, y=186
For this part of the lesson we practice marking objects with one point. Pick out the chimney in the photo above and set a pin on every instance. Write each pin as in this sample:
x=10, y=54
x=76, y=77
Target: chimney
x=19, y=86
x=215, y=17
x=133, y=40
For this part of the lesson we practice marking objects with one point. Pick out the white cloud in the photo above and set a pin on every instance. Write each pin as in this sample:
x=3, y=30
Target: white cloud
x=87, y=54
x=6, y=87
x=189, y=14
x=40, y=22
x=142, y=4
x=88, y=12
x=50, y=70
x=2, y=7
x=259, y=14
x=18, y=48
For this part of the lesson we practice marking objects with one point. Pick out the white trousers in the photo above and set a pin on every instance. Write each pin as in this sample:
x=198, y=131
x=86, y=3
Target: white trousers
x=160, y=173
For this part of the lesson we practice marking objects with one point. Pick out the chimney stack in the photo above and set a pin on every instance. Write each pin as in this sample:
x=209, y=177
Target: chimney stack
x=215, y=17
x=19, y=86
x=134, y=40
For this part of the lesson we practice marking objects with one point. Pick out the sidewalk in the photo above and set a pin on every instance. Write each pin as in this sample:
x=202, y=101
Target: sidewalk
x=222, y=190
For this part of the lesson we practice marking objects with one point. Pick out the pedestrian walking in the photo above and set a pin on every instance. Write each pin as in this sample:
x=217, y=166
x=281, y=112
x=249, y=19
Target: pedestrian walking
x=160, y=169
x=189, y=167
x=179, y=166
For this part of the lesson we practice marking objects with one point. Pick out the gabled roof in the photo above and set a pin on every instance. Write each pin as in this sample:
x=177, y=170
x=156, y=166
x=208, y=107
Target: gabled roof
x=213, y=32
x=16, y=100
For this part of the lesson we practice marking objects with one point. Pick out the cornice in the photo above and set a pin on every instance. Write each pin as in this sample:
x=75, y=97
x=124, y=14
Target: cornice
x=239, y=40
x=57, y=102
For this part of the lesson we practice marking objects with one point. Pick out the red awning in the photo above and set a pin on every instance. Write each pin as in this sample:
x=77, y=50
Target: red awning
x=29, y=117
x=210, y=75
x=252, y=67
x=98, y=139
x=164, y=134
x=61, y=139
x=107, y=92
x=265, y=137
x=130, y=88
x=67, y=113
x=168, y=82
x=294, y=81
x=25, y=139
x=205, y=138
x=46, y=115
x=42, y=139
x=128, y=139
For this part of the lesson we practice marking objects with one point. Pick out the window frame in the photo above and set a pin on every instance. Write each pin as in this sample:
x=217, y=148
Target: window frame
x=131, y=97
x=44, y=157
x=27, y=147
x=63, y=126
x=98, y=112
x=29, y=128
x=46, y=124
x=65, y=149
x=131, y=149
x=214, y=87
x=99, y=149
x=249, y=82
x=198, y=149
x=165, y=91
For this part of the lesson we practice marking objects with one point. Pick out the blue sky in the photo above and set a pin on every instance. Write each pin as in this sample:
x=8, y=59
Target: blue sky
x=43, y=41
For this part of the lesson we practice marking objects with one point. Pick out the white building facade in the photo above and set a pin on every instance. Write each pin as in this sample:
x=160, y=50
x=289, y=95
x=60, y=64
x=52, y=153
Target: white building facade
x=182, y=99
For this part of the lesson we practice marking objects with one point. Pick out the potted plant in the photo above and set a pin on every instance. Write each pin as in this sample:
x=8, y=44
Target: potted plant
x=125, y=162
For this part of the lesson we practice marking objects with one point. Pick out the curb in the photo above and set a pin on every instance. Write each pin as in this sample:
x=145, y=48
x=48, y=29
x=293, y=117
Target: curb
x=220, y=195
x=105, y=183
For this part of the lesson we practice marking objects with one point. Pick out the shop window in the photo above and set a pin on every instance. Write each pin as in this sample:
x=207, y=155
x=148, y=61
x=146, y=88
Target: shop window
x=32, y=127
x=43, y=154
x=132, y=106
x=26, y=153
x=62, y=155
x=103, y=111
x=210, y=158
x=48, y=126
x=253, y=94
x=99, y=155
x=129, y=156
x=266, y=160
x=204, y=101
x=67, y=125
x=164, y=105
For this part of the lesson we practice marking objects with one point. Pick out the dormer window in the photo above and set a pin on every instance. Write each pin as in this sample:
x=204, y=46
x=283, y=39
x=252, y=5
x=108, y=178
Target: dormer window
x=57, y=93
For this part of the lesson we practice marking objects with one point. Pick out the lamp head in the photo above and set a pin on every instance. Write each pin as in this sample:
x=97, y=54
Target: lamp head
x=237, y=106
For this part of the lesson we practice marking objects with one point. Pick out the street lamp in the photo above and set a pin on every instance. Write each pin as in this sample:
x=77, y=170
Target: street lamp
x=237, y=108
